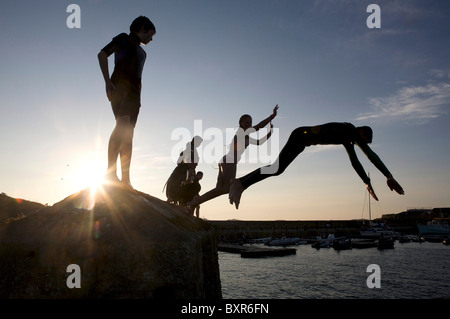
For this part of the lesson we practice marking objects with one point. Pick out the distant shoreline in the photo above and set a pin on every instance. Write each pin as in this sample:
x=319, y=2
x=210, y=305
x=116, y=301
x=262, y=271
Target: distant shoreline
x=236, y=229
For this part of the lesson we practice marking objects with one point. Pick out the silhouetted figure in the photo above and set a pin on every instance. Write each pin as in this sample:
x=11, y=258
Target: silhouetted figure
x=190, y=190
x=123, y=90
x=176, y=179
x=330, y=133
x=183, y=184
x=228, y=163
x=190, y=156
x=180, y=190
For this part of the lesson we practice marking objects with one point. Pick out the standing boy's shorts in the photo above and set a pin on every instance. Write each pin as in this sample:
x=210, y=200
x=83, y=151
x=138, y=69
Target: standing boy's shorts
x=125, y=102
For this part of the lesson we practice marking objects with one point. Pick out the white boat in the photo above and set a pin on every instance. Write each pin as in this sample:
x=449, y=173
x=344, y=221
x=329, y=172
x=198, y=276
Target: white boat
x=375, y=230
x=324, y=242
x=261, y=240
x=284, y=241
x=436, y=226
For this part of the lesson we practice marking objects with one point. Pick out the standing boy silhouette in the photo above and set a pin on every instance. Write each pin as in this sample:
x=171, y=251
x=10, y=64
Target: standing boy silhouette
x=123, y=90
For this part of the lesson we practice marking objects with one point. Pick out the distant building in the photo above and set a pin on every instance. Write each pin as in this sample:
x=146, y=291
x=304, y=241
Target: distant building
x=443, y=212
x=419, y=214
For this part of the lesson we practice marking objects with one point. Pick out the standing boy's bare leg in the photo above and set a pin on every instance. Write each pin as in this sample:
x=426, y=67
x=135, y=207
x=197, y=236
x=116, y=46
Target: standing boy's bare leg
x=125, y=153
x=113, y=154
x=120, y=143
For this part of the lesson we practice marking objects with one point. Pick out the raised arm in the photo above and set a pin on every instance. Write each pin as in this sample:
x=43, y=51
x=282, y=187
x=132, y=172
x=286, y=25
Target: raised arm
x=263, y=139
x=267, y=120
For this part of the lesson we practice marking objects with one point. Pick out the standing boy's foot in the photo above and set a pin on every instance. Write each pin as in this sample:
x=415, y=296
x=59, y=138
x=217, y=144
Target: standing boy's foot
x=236, y=190
x=112, y=179
x=127, y=186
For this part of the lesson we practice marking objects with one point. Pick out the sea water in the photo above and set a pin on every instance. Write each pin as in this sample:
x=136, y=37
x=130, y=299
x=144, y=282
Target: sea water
x=410, y=270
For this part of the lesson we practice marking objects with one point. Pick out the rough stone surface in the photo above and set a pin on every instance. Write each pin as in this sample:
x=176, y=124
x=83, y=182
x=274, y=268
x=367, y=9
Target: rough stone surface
x=127, y=245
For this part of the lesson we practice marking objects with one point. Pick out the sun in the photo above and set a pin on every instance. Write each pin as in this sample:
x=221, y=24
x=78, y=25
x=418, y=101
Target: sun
x=88, y=175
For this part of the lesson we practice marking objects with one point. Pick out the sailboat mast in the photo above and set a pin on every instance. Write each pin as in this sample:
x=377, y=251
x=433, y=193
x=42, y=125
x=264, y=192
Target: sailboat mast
x=370, y=212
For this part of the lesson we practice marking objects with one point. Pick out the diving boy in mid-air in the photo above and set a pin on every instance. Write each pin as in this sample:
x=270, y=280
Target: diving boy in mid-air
x=123, y=90
x=331, y=133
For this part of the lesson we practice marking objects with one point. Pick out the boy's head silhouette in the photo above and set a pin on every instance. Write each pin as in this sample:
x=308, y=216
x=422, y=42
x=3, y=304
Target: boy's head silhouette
x=143, y=28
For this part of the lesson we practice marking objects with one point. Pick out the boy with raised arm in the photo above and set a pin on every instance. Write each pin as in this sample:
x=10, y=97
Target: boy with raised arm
x=228, y=163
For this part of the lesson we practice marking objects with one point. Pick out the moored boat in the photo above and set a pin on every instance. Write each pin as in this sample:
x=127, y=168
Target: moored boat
x=284, y=241
x=385, y=243
x=417, y=239
x=324, y=241
x=364, y=243
x=436, y=226
x=342, y=243
x=434, y=238
x=375, y=230
x=261, y=240
x=446, y=241
x=404, y=239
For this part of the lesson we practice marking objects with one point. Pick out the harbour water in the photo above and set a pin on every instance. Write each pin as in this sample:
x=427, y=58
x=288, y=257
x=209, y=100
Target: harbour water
x=410, y=270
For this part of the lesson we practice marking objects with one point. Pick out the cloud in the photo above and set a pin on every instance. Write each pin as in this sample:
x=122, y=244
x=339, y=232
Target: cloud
x=418, y=103
x=438, y=73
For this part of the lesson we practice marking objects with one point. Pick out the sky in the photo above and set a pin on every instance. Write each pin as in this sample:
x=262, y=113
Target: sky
x=209, y=63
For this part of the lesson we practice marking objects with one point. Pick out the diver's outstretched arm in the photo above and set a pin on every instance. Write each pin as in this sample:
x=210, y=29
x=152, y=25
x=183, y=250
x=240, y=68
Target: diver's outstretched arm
x=375, y=159
x=394, y=186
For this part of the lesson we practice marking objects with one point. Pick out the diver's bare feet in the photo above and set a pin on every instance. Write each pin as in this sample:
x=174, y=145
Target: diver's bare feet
x=236, y=190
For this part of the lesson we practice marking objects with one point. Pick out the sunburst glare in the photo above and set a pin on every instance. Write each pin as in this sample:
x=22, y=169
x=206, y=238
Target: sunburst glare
x=89, y=175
